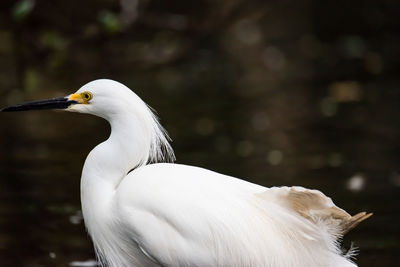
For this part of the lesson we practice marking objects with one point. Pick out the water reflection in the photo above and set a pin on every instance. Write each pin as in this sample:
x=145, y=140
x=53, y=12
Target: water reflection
x=87, y=263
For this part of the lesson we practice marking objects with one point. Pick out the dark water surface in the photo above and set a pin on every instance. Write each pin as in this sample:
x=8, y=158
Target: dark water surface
x=42, y=154
x=305, y=93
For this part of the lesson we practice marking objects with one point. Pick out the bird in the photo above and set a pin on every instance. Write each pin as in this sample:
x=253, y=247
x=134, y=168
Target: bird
x=142, y=209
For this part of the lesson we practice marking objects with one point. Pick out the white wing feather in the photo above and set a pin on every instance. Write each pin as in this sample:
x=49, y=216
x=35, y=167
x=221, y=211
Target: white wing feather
x=178, y=219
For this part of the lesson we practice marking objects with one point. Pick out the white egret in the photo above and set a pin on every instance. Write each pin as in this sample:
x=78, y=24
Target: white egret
x=164, y=214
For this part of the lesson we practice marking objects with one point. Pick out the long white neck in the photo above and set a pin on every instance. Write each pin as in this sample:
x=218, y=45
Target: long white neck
x=109, y=162
x=136, y=138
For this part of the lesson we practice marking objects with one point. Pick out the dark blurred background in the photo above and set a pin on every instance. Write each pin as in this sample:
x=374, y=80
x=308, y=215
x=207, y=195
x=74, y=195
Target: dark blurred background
x=277, y=92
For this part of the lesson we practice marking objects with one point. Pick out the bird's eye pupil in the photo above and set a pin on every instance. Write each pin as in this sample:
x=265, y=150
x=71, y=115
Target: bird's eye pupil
x=86, y=96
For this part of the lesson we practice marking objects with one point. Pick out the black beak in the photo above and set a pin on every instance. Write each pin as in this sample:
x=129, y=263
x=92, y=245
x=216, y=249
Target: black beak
x=54, y=103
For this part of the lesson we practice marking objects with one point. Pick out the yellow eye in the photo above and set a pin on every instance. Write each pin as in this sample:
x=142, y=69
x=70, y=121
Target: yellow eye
x=86, y=96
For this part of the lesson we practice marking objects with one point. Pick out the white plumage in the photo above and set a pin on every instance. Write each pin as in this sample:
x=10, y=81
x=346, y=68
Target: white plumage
x=165, y=214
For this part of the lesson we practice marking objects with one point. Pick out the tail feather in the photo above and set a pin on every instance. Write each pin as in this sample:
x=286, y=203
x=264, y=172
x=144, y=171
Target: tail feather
x=316, y=207
x=349, y=224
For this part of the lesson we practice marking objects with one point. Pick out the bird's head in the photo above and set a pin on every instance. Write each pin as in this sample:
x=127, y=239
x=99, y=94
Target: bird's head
x=103, y=98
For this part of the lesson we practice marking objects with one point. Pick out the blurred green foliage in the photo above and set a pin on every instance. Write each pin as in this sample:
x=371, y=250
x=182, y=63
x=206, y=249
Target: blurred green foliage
x=22, y=9
x=110, y=21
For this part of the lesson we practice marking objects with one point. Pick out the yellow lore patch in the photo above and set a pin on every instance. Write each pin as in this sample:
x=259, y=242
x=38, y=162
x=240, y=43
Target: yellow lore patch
x=81, y=98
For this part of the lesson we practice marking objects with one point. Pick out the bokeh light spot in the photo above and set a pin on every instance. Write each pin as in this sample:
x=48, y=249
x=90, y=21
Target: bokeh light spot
x=275, y=157
x=356, y=182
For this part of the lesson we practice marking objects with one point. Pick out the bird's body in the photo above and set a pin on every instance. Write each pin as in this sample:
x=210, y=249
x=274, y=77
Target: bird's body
x=165, y=214
x=176, y=215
